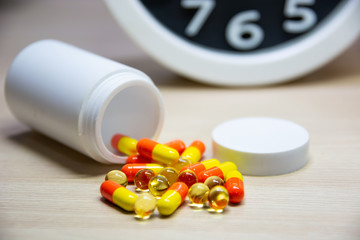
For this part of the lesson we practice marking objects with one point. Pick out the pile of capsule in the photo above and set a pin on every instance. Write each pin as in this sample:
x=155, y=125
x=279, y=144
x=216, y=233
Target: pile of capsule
x=170, y=172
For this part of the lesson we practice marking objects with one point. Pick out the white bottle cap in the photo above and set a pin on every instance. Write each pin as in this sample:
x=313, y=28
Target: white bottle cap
x=81, y=99
x=261, y=146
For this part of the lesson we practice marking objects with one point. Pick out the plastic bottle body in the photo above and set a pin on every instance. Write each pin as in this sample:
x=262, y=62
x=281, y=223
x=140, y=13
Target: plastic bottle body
x=81, y=99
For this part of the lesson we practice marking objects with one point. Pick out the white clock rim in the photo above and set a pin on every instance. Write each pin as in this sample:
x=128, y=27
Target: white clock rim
x=276, y=65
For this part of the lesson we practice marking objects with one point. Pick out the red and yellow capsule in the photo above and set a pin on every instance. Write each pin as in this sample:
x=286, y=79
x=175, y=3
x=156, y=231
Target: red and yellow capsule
x=201, y=166
x=131, y=170
x=124, y=144
x=136, y=158
x=194, y=152
x=235, y=185
x=172, y=198
x=157, y=152
x=219, y=171
x=177, y=144
x=118, y=195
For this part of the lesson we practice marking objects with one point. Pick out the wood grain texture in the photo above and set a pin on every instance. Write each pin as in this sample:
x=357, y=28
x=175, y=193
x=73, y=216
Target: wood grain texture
x=49, y=191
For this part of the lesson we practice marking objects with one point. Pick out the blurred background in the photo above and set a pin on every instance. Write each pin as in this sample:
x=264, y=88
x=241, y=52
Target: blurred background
x=85, y=24
x=89, y=25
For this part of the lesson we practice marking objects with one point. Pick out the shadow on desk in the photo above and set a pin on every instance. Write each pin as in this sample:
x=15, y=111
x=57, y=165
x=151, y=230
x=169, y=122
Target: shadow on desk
x=60, y=154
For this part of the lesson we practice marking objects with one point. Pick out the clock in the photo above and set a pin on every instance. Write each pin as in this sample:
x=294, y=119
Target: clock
x=240, y=43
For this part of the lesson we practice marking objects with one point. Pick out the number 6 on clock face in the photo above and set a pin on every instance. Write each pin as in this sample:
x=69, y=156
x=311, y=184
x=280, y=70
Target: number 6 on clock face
x=240, y=42
x=241, y=33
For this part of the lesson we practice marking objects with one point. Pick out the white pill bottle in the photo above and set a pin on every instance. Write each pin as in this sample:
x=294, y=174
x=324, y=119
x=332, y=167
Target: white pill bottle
x=81, y=99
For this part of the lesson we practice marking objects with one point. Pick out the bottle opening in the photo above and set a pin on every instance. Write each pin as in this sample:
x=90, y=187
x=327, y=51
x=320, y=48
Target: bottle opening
x=133, y=112
x=126, y=103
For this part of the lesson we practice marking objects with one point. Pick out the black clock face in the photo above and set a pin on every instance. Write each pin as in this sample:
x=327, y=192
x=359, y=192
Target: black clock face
x=240, y=26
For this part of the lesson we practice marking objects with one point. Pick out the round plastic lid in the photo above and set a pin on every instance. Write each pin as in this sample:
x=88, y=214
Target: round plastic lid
x=261, y=146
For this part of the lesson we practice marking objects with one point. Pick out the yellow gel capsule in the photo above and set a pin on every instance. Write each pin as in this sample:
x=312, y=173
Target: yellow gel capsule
x=170, y=173
x=198, y=195
x=158, y=185
x=188, y=177
x=142, y=179
x=218, y=199
x=117, y=176
x=145, y=205
x=213, y=181
x=181, y=163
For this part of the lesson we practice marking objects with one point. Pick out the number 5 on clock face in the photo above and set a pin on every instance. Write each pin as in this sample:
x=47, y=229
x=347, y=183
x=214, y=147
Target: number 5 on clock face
x=240, y=42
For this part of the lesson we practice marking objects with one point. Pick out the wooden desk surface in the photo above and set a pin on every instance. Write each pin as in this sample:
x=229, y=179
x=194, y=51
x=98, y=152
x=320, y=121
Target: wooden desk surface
x=49, y=191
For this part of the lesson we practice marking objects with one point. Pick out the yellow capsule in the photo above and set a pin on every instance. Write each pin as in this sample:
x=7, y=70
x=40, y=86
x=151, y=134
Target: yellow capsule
x=125, y=198
x=219, y=171
x=172, y=199
x=197, y=168
x=198, y=195
x=118, y=195
x=124, y=144
x=235, y=186
x=158, y=185
x=194, y=152
x=218, y=199
x=170, y=173
x=117, y=176
x=210, y=163
x=157, y=152
x=132, y=169
x=145, y=205
x=235, y=174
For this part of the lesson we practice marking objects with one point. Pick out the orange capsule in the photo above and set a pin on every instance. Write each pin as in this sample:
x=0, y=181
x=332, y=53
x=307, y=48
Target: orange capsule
x=177, y=144
x=235, y=186
x=118, y=195
x=130, y=170
x=194, y=152
x=136, y=158
x=124, y=144
x=201, y=166
x=157, y=152
x=219, y=171
x=172, y=198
